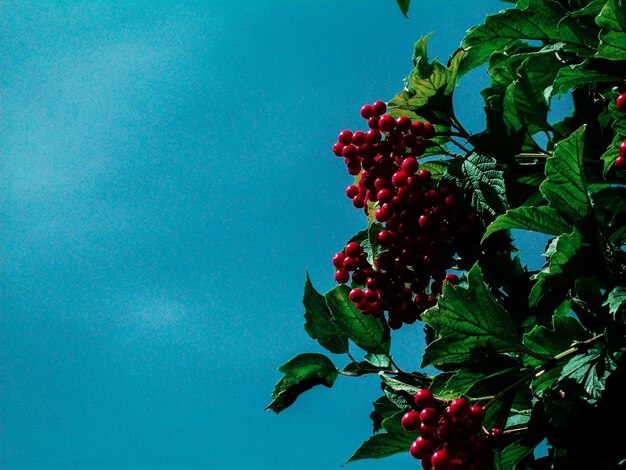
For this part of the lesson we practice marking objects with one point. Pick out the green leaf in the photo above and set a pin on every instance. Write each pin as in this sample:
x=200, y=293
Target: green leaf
x=404, y=6
x=469, y=324
x=383, y=408
x=513, y=454
x=464, y=379
x=609, y=207
x=394, y=441
x=319, y=321
x=541, y=219
x=564, y=265
x=551, y=342
x=616, y=300
x=369, y=333
x=577, y=75
x=590, y=369
x=437, y=168
x=483, y=183
x=401, y=389
x=612, y=22
x=544, y=20
x=301, y=373
x=565, y=187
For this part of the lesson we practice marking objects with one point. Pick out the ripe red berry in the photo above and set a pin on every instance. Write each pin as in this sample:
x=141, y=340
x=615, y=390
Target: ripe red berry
x=373, y=136
x=409, y=165
x=345, y=137
x=379, y=108
x=403, y=123
x=367, y=111
x=350, y=264
x=417, y=128
x=459, y=408
x=440, y=459
x=620, y=102
x=422, y=447
x=477, y=413
x=338, y=260
x=411, y=421
x=356, y=295
x=399, y=179
x=342, y=276
x=620, y=163
x=429, y=416
x=353, y=249
x=338, y=149
x=352, y=191
x=452, y=279
x=429, y=131
x=387, y=123
x=424, y=398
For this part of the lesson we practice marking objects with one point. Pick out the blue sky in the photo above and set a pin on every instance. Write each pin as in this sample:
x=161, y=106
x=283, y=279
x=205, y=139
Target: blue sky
x=167, y=181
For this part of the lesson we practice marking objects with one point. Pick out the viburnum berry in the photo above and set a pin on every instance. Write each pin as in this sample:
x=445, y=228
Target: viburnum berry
x=424, y=398
x=622, y=148
x=342, y=276
x=367, y=111
x=353, y=249
x=440, y=459
x=620, y=162
x=411, y=421
x=620, y=102
x=379, y=108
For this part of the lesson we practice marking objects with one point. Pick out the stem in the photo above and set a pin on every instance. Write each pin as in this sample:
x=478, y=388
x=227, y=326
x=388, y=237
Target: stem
x=459, y=145
x=354, y=361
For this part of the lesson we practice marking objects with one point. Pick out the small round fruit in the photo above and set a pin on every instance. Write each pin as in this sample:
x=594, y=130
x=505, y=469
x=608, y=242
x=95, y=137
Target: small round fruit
x=620, y=163
x=477, y=413
x=353, y=249
x=356, y=295
x=387, y=123
x=379, y=108
x=367, y=111
x=411, y=421
x=440, y=459
x=620, y=102
x=429, y=131
x=429, y=416
x=338, y=260
x=345, y=137
x=342, y=276
x=622, y=149
x=424, y=398
x=459, y=408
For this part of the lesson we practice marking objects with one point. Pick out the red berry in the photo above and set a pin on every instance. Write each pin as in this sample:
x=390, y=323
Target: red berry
x=338, y=260
x=477, y=413
x=429, y=416
x=620, y=102
x=350, y=264
x=411, y=421
x=399, y=179
x=403, y=123
x=367, y=111
x=353, y=249
x=424, y=398
x=440, y=459
x=620, y=163
x=356, y=295
x=417, y=128
x=429, y=131
x=373, y=136
x=387, y=123
x=338, y=149
x=452, y=279
x=409, y=165
x=352, y=191
x=342, y=276
x=379, y=108
x=457, y=464
x=459, y=408
x=345, y=137
x=372, y=122
x=422, y=447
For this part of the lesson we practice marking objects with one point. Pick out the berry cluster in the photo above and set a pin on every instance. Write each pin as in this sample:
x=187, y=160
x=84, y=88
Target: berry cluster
x=451, y=436
x=620, y=161
x=421, y=227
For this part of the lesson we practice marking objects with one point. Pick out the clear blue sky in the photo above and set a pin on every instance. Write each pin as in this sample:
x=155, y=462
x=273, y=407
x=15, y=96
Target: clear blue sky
x=166, y=181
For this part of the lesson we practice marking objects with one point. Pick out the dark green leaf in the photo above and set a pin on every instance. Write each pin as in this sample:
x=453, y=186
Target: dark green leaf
x=469, y=324
x=404, y=6
x=378, y=360
x=609, y=207
x=577, y=75
x=483, y=183
x=394, y=441
x=541, y=219
x=616, y=300
x=544, y=20
x=402, y=388
x=369, y=333
x=383, y=408
x=564, y=265
x=551, y=342
x=436, y=168
x=513, y=454
x=565, y=187
x=591, y=370
x=301, y=373
x=464, y=380
x=319, y=323
x=612, y=22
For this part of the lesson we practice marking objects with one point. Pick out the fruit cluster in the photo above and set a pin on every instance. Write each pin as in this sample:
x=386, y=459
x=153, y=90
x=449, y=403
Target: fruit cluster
x=420, y=227
x=451, y=434
x=620, y=161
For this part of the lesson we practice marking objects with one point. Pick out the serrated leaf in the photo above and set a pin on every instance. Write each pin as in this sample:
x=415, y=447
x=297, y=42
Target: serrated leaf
x=544, y=20
x=319, y=323
x=513, y=454
x=564, y=265
x=483, y=182
x=404, y=6
x=394, y=441
x=591, y=370
x=464, y=380
x=612, y=22
x=550, y=342
x=369, y=333
x=541, y=219
x=469, y=324
x=616, y=300
x=565, y=187
x=301, y=374
x=436, y=168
